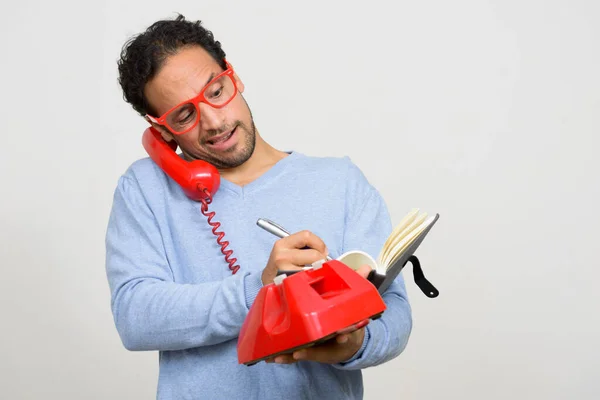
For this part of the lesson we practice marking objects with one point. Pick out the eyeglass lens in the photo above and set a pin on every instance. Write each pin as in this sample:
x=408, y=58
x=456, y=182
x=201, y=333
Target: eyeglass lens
x=216, y=94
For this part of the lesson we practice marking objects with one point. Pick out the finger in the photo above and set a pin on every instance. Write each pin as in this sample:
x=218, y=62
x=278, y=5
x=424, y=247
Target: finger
x=364, y=271
x=285, y=359
x=342, y=338
x=323, y=353
x=286, y=266
x=304, y=257
x=351, y=328
x=305, y=238
x=291, y=260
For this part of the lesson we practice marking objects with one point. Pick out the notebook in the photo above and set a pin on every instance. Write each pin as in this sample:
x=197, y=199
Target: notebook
x=397, y=251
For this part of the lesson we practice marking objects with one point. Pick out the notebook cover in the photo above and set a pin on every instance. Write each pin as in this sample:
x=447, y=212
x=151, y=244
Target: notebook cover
x=397, y=267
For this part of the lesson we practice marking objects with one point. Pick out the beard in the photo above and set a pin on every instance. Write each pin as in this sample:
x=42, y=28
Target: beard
x=238, y=154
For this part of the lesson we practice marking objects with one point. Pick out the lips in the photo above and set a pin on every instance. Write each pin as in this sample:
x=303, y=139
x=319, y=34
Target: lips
x=222, y=137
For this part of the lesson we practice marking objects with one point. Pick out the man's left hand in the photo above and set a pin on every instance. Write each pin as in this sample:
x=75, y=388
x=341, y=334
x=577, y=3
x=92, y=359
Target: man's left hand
x=336, y=350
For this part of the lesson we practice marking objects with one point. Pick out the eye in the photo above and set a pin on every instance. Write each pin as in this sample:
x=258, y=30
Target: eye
x=186, y=116
x=216, y=91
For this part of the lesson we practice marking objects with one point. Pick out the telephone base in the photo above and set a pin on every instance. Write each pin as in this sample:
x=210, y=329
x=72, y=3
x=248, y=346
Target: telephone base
x=304, y=346
x=306, y=309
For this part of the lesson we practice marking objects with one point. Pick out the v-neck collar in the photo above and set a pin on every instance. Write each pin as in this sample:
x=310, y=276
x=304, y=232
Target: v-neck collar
x=259, y=182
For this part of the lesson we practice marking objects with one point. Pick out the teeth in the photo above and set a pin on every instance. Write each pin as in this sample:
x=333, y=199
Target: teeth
x=222, y=139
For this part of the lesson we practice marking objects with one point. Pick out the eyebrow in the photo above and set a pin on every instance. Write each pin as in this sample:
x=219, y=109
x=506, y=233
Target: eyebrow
x=210, y=78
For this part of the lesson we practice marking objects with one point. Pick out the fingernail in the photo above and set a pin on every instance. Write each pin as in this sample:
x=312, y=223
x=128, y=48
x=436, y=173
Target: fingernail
x=298, y=355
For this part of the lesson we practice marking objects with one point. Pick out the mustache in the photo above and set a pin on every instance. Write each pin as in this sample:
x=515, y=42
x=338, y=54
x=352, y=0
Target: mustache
x=211, y=133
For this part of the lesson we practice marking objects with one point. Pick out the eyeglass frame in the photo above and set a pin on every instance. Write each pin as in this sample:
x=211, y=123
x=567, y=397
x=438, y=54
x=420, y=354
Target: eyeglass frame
x=200, y=98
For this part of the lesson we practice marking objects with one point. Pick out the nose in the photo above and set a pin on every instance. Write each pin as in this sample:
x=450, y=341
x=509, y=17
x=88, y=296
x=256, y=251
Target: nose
x=210, y=118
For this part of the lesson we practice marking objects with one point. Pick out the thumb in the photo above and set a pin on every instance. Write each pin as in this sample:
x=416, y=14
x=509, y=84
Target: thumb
x=364, y=271
x=323, y=353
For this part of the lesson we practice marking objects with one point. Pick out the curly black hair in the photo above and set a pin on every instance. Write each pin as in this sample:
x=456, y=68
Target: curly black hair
x=143, y=55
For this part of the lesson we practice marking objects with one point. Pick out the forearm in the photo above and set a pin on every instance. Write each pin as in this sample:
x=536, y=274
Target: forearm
x=151, y=314
x=151, y=311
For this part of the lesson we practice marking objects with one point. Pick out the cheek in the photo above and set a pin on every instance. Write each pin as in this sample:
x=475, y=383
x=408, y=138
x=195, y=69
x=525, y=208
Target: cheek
x=238, y=110
x=189, y=140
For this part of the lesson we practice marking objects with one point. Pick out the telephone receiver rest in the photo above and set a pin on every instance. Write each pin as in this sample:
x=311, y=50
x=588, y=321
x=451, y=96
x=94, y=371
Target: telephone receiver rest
x=194, y=177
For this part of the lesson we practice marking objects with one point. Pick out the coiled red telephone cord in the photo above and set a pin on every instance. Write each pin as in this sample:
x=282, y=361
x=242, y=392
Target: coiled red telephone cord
x=220, y=235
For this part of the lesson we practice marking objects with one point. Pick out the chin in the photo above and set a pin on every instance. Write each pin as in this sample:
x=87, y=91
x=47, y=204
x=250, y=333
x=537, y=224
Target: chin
x=233, y=158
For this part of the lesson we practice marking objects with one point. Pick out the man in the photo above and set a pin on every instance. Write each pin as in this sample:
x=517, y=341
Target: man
x=172, y=290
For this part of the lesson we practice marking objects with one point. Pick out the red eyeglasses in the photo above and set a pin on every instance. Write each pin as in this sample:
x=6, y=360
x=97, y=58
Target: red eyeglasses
x=185, y=116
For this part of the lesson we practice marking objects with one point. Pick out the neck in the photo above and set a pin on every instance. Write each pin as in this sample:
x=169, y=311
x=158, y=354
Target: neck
x=263, y=158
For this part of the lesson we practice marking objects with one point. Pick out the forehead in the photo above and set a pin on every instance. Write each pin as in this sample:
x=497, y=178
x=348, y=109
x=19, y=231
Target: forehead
x=181, y=77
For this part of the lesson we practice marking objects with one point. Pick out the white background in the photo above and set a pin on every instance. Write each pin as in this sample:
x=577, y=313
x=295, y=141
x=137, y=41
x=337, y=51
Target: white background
x=484, y=111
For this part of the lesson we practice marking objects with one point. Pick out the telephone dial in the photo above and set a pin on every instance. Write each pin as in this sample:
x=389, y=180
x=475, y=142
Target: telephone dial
x=198, y=179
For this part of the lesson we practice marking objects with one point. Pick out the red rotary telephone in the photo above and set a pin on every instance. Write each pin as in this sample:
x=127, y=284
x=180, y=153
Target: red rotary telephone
x=198, y=179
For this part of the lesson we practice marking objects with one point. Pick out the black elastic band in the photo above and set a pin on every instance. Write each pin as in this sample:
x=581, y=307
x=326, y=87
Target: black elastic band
x=426, y=287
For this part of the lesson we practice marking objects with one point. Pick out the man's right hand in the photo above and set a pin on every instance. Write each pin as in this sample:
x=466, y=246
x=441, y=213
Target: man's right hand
x=288, y=254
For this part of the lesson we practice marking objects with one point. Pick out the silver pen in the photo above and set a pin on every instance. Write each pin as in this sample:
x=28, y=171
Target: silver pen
x=272, y=227
x=276, y=229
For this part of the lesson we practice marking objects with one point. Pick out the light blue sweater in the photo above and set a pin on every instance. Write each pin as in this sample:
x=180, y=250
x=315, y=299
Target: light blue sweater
x=172, y=292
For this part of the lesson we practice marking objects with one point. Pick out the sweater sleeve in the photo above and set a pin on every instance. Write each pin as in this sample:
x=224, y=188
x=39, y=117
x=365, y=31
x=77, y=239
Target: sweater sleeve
x=150, y=310
x=367, y=227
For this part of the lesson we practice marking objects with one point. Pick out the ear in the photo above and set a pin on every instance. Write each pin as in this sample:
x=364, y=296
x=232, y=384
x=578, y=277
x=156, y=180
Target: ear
x=164, y=132
x=239, y=83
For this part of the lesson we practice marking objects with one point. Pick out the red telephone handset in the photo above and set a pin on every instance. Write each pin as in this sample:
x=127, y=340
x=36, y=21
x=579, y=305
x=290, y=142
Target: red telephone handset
x=195, y=177
x=198, y=179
